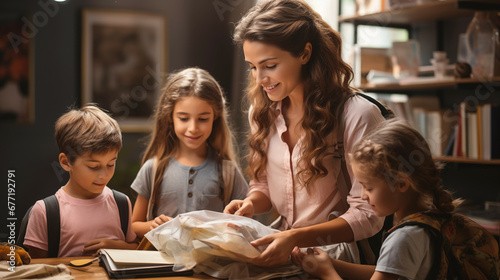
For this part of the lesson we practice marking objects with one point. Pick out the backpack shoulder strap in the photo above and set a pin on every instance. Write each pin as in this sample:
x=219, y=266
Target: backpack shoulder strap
x=53, y=225
x=122, y=203
x=228, y=170
x=428, y=219
x=23, y=227
x=152, y=196
x=386, y=112
x=432, y=223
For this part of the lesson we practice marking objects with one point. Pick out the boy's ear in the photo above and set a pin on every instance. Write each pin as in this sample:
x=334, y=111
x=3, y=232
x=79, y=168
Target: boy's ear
x=64, y=161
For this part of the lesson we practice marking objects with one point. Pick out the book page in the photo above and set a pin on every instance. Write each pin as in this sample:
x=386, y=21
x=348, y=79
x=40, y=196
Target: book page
x=119, y=256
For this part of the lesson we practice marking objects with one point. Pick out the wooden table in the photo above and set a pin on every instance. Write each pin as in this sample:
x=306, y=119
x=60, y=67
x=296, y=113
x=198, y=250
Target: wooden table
x=94, y=271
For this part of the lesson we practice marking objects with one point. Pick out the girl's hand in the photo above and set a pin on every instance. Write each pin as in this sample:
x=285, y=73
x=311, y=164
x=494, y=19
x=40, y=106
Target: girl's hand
x=278, y=252
x=317, y=263
x=240, y=208
x=297, y=256
x=160, y=220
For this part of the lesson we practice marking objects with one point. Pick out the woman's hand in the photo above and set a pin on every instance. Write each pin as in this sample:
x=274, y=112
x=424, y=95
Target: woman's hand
x=240, y=208
x=160, y=220
x=280, y=246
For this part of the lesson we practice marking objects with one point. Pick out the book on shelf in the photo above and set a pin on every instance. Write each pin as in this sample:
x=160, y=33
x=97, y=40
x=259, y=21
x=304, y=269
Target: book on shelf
x=486, y=131
x=472, y=141
x=439, y=129
x=451, y=142
x=462, y=149
x=425, y=115
x=120, y=263
x=478, y=132
x=495, y=132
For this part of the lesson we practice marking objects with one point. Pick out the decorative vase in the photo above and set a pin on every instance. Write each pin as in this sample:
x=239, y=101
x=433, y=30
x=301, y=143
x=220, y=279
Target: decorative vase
x=481, y=38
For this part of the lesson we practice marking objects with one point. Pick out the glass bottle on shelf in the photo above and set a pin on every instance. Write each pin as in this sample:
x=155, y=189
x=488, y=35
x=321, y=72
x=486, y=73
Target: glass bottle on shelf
x=481, y=38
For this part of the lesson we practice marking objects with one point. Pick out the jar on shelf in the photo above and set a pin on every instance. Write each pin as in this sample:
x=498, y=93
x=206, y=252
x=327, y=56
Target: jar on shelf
x=481, y=39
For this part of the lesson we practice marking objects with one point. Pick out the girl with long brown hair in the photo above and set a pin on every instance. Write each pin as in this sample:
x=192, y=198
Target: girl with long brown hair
x=183, y=164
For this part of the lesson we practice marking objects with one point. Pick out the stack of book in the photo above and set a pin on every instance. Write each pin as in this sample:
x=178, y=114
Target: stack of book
x=472, y=131
x=477, y=133
x=425, y=115
x=123, y=264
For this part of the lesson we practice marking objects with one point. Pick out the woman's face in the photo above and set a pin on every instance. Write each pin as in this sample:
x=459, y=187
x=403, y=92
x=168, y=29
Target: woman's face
x=276, y=70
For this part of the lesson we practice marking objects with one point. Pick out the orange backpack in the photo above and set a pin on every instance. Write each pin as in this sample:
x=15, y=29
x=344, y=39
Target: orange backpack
x=465, y=249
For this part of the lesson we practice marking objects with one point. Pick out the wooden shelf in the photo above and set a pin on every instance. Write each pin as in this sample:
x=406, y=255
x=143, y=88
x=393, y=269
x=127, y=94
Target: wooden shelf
x=467, y=160
x=425, y=12
x=427, y=84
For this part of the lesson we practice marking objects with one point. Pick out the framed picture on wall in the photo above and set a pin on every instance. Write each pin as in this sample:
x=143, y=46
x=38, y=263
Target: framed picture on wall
x=124, y=56
x=17, y=96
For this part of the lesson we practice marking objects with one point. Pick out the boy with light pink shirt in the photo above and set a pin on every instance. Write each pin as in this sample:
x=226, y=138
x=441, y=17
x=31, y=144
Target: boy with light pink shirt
x=89, y=141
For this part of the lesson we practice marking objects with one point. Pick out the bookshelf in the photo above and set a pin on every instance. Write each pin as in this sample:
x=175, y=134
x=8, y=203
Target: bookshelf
x=425, y=12
x=427, y=84
x=467, y=160
x=447, y=89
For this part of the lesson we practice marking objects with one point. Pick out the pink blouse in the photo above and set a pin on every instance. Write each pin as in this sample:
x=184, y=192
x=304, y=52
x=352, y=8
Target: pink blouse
x=291, y=200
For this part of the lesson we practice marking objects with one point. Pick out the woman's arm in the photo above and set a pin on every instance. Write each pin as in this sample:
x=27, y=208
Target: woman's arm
x=361, y=117
x=282, y=243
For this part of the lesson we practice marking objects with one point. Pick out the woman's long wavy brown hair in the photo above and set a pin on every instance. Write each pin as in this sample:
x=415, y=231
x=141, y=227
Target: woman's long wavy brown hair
x=163, y=143
x=290, y=25
x=395, y=150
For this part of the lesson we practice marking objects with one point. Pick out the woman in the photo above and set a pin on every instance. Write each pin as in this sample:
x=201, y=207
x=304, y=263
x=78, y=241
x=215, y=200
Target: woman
x=299, y=86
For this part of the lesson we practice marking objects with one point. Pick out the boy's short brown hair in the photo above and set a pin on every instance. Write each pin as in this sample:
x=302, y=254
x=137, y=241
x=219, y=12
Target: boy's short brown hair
x=87, y=130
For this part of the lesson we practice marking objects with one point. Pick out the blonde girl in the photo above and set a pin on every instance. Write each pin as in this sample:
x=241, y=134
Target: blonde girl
x=299, y=94
x=182, y=166
x=399, y=176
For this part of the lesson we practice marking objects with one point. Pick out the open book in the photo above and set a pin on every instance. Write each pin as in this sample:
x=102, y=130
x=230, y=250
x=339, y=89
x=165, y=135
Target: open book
x=136, y=264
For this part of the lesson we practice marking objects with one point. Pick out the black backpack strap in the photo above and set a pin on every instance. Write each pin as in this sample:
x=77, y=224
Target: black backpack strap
x=386, y=113
x=122, y=203
x=53, y=225
x=22, y=229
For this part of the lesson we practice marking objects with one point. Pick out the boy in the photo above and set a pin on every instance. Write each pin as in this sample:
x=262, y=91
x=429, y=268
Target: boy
x=89, y=141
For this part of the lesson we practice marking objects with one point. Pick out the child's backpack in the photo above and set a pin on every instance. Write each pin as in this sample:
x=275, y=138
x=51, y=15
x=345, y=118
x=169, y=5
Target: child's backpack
x=464, y=249
x=54, y=221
